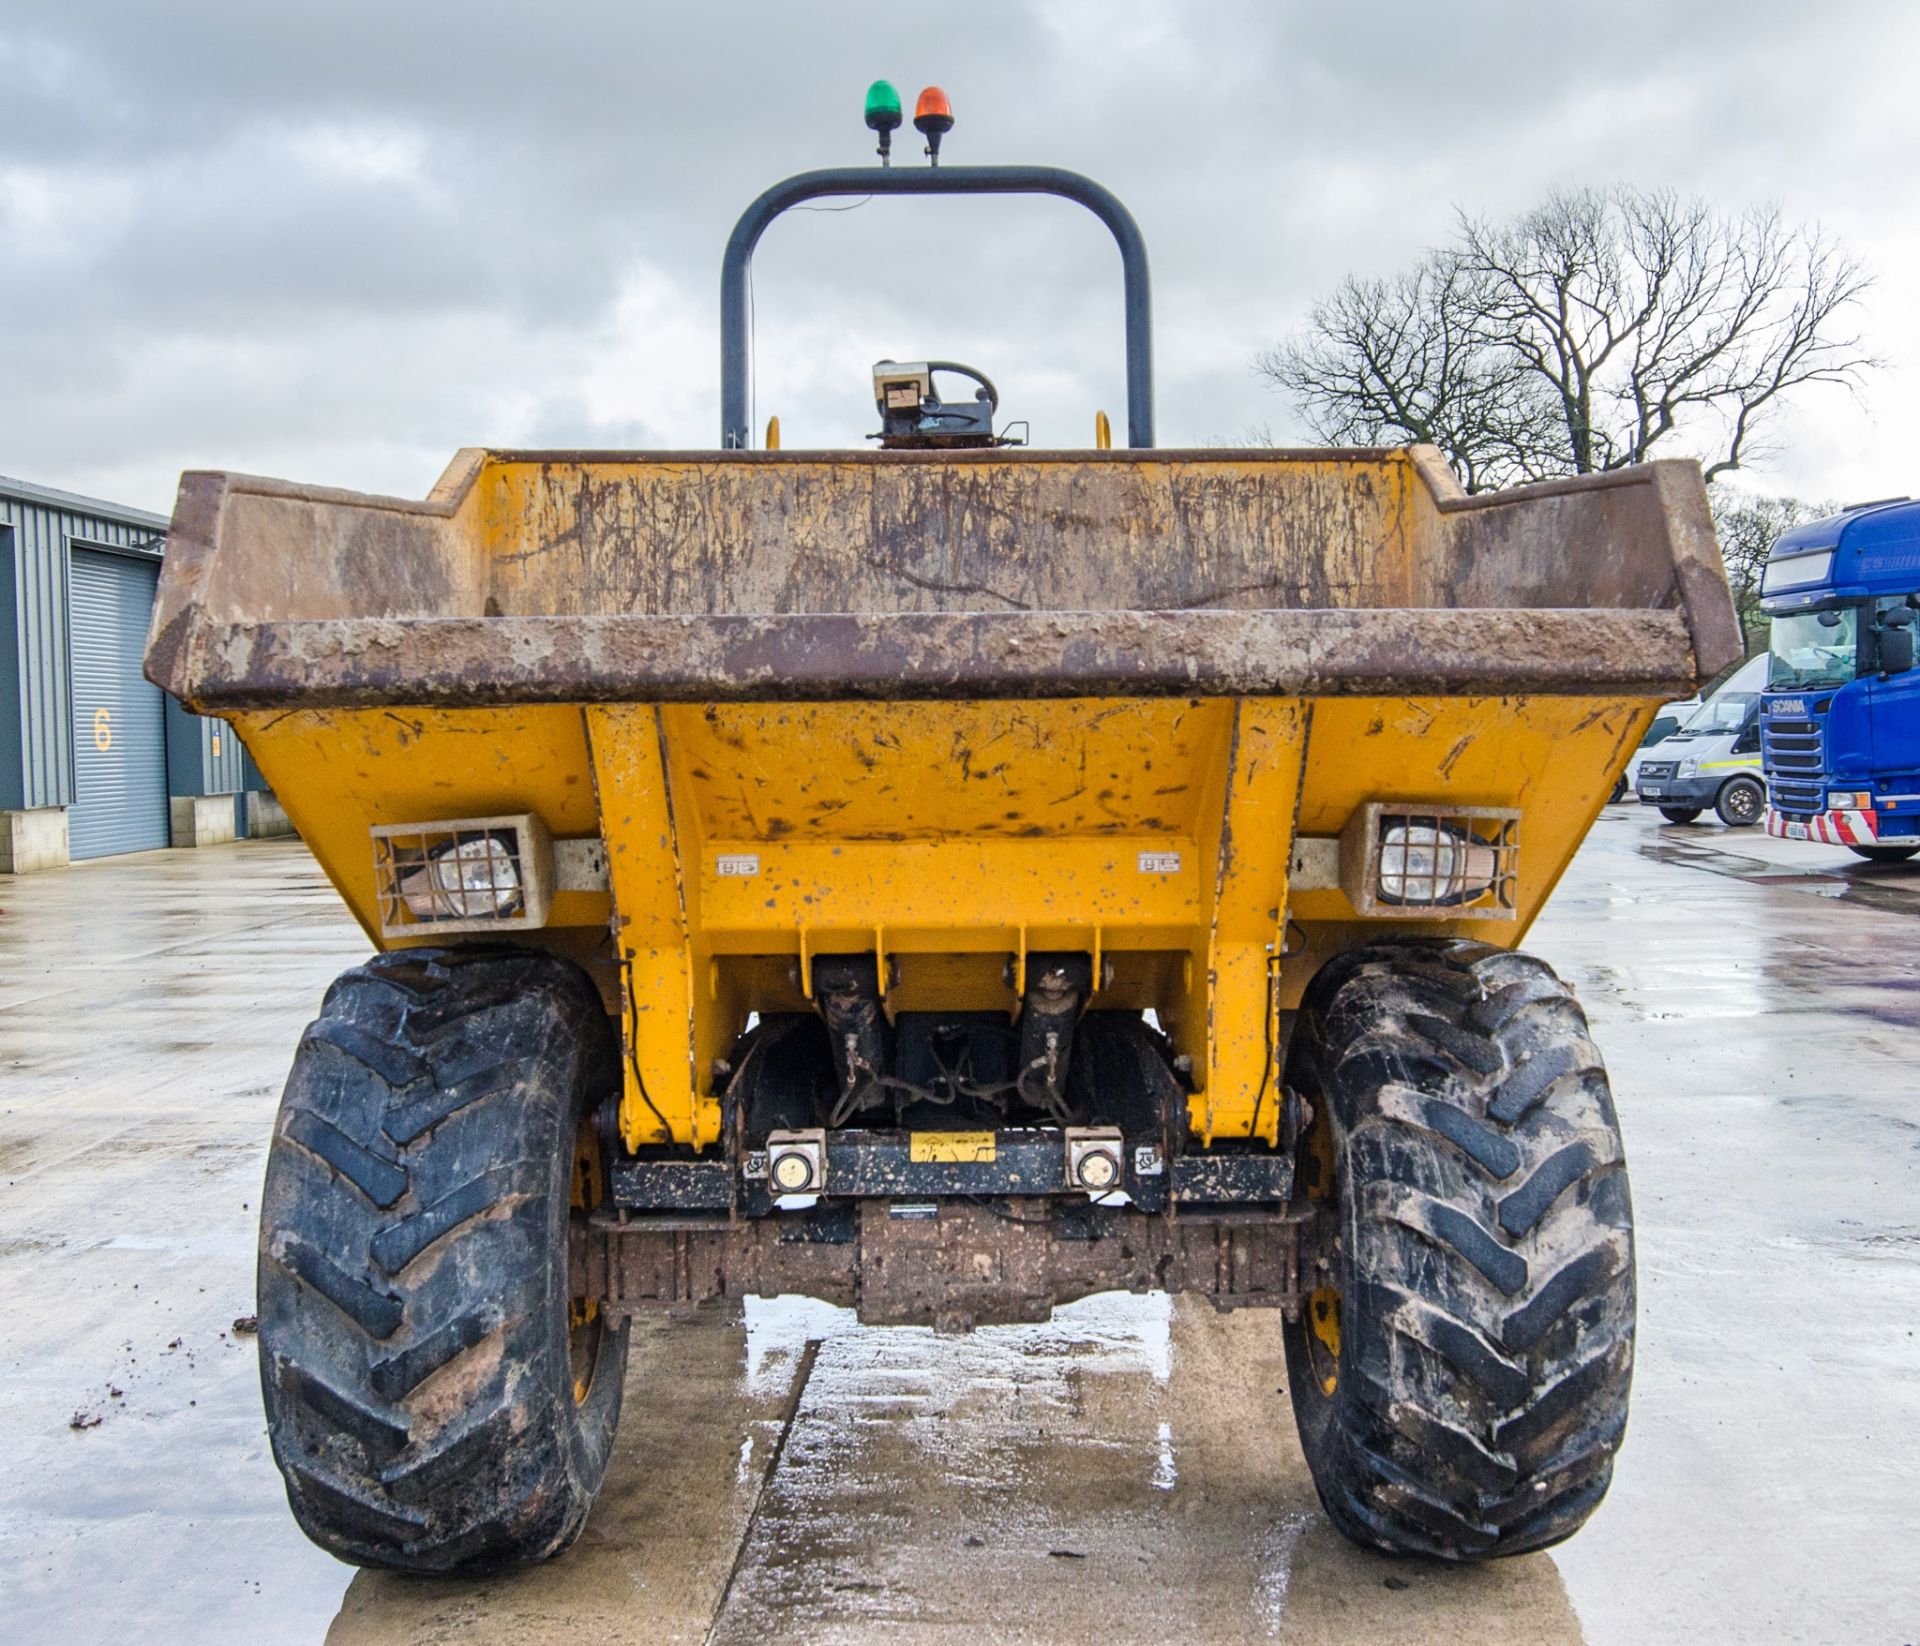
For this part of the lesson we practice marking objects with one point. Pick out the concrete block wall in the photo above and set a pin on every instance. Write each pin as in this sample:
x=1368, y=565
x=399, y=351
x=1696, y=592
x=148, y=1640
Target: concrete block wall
x=33, y=840
x=36, y=839
x=202, y=819
x=265, y=816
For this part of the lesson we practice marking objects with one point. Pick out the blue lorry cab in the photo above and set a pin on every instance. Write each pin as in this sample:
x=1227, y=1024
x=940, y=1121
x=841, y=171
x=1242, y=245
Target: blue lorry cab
x=1840, y=715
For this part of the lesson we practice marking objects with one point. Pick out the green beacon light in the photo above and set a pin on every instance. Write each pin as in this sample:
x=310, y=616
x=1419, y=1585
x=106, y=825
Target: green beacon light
x=883, y=116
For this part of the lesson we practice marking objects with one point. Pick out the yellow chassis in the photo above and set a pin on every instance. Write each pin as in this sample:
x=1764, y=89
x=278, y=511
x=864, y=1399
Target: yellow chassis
x=949, y=840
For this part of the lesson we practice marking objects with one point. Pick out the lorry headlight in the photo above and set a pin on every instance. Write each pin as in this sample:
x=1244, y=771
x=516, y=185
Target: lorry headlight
x=1842, y=800
x=1433, y=863
x=1688, y=767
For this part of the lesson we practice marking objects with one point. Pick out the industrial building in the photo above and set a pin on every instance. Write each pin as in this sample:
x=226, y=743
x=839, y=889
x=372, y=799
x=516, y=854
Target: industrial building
x=93, y=759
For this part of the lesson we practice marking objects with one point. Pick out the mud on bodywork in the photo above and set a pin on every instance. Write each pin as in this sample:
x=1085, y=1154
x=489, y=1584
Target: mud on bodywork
x=763, y=575
x=954, y=1265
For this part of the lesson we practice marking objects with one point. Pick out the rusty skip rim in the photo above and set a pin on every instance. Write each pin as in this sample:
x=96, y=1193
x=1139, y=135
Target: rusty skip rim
x=466, y=466
x=456, y=662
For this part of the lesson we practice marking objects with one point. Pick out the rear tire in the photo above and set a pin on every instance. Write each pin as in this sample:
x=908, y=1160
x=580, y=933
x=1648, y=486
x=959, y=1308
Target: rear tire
x=1741, y=803
x=1460, y=1374
x=1884, y=854
x=1681, y=814
x=436, y=1400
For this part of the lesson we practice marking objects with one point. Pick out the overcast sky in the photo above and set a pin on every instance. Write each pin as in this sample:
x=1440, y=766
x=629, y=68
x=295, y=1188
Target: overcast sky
x=334, y=242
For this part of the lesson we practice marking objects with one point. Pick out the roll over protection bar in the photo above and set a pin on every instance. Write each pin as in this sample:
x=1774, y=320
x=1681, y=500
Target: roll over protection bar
x=735, y=435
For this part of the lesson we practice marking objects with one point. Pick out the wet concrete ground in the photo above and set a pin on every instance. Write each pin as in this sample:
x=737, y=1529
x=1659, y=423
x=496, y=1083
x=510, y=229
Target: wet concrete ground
x=1126, y=1473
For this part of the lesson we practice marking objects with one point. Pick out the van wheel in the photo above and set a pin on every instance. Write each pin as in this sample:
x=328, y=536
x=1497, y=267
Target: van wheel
x=1681, y=814
x=437, y=1397
x=1884, y=854
x=1460, y=1369
x=1741, y=803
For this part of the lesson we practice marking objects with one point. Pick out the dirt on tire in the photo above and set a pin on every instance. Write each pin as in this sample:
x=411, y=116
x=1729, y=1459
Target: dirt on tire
x=1461, y=1375
x=419, y=1359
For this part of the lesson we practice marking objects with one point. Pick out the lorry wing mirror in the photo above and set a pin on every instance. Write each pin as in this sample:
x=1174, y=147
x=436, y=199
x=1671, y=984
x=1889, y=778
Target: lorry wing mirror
x=1896, y=641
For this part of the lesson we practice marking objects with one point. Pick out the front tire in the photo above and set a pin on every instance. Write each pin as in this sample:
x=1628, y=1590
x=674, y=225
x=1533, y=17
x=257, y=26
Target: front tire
x=1681, y=814
x=1884, y=854
x=1741, y=803
x=436, y=1397
x=1461, y=1370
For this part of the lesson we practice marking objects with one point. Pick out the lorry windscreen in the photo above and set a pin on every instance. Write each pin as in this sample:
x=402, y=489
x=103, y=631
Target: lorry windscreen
x=1814, y=649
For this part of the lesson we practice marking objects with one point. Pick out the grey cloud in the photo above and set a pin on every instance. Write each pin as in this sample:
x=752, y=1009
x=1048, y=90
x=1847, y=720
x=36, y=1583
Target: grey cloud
x=202, y=258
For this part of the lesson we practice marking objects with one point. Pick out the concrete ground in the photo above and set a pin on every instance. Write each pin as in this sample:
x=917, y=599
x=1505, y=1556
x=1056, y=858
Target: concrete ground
x=1126, y=1473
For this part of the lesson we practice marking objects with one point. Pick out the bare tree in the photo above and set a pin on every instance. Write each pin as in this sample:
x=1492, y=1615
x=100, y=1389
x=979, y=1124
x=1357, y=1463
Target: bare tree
x=1580, y=336
x=1392, y=360
x=1748, y=525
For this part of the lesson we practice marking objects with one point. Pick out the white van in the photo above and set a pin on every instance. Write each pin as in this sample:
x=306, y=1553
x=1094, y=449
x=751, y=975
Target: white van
x=1713, y=760
x=1670, y=719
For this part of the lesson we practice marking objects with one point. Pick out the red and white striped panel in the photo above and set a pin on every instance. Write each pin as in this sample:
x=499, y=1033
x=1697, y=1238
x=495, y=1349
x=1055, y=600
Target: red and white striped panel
x=1830, y=828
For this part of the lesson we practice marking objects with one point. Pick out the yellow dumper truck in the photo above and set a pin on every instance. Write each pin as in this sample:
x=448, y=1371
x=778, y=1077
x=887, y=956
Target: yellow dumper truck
x=947, y=879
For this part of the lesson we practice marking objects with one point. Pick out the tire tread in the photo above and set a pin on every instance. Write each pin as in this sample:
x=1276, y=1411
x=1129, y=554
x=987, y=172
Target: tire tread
x=1487, y=1299
x=415, y=1360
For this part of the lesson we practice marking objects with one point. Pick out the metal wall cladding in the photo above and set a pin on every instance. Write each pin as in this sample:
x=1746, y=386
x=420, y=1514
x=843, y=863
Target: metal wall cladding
x=204, y=755
x=120, y=728
x=37, y=531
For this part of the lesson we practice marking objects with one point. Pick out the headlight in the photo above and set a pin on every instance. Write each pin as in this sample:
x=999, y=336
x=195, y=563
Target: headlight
x=796, y=1165
x=1842, y=800
x=466, y=874
x=1688, y=767
x=472, y=877
x=1407, y=860
x=1433, y=864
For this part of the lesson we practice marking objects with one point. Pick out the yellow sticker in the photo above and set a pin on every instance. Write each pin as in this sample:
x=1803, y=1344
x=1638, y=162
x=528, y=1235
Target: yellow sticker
x=960, y=1148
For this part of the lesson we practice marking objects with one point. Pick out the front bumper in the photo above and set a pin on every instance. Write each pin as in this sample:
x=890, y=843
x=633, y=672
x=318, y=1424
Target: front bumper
x=1831, y=828
x=1679, y=791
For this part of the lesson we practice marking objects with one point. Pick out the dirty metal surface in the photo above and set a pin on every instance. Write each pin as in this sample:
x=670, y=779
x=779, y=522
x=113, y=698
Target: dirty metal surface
x=673, y=1185
x=836, y=569
x=951, y=1263
x=928, y=771
x=453, y=662
x=880, y=1164
x=1152, y=831
x=1240, y=1176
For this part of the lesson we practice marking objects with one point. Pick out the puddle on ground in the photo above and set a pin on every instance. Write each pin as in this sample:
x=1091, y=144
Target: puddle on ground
x=1892, y=888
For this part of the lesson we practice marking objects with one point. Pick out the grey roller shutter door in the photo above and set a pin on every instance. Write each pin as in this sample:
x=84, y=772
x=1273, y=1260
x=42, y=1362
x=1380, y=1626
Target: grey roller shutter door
x=119, y=720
